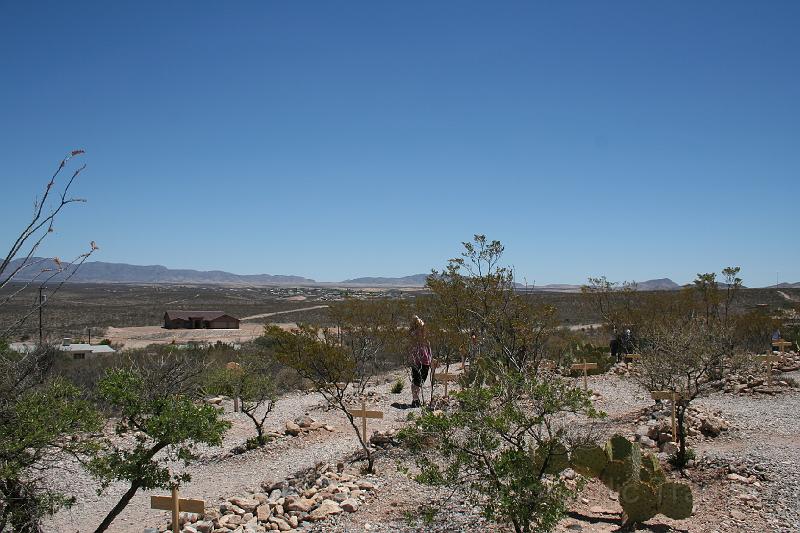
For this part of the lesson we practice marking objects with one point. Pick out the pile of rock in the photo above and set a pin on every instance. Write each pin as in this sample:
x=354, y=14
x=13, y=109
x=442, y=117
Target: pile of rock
x=755, y=381
x=654, y=428
x=285, y=505
x=304, y=424
x=384, y=439
x=369, y=397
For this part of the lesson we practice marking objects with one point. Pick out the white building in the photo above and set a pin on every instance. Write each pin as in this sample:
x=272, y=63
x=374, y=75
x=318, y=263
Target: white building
x=77, y=350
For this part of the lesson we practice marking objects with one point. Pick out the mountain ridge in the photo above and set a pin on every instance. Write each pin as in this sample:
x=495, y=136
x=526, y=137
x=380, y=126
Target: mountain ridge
x=106, y=272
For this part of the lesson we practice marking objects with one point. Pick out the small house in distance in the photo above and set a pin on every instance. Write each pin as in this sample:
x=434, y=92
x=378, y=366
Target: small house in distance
x=82, y=350
x=199, y=320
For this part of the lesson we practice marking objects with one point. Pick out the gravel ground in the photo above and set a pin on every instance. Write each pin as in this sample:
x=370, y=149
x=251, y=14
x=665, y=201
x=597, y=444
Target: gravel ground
x=219, y=475
x=763, y=440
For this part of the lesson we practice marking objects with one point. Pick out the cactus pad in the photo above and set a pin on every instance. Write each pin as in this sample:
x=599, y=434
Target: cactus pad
x=651, y=470
x=619, y=448
x=557, y=461
x=675, y=500
x=589, y=460
x=639, y=501
x=616, y=474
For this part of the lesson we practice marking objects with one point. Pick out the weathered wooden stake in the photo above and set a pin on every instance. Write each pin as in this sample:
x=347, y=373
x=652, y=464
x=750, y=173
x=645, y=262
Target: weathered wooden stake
x=584, y=366
x=175, y=504
x=236, y=405
x=631, y=357
x=364, y=414
x=768, y=360
x=446, y=378
x=673, y=397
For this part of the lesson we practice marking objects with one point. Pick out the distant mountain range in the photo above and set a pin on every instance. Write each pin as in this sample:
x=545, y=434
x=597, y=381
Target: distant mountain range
x=102, y=272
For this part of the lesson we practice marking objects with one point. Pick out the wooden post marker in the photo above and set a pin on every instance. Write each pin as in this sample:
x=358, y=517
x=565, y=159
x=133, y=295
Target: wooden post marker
x=781, y=345
x=584, y=366
x=631, y=357
x=364, y=414
x=445, y=378
x=673, y=397
x=176, y=505
x=233, y=366
x=768, y=360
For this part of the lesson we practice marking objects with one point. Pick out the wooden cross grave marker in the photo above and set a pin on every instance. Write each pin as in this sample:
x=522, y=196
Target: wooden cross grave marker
x=631, y=357
x=768, y=360
x=673, y=397
x=584, y=366
x=444, y=377
x=364, y=414
x=233, y=366
x=176, y=505
x=781, y=345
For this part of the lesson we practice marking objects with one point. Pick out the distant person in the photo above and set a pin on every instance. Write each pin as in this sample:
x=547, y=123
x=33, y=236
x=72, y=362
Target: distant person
x=419, y=357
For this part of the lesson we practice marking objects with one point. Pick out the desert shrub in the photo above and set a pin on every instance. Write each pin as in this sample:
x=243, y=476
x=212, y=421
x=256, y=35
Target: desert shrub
x=503, y=441
x=397, y=386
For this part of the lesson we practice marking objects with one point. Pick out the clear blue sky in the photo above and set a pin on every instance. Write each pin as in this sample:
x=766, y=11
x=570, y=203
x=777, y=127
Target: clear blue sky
x=340, y=139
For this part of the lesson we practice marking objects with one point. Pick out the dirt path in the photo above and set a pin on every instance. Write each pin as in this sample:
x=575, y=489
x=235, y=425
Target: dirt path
x=788, y=297
x=266, y=315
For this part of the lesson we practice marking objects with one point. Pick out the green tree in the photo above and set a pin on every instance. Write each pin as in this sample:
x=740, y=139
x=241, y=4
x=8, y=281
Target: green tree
x=503, y=440
x=43, y=421
x=41, y=427
x=252, y=383
x=341, y=361
x=159, y=421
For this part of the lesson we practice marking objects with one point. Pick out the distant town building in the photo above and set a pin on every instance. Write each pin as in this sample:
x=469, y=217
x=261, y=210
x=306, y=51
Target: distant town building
x=199, y=320
x=82, y=350
x=78, y=350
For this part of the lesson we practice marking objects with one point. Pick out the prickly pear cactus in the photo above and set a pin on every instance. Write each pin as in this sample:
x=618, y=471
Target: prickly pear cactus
x=675, y=500
x=651, y=471
x=638, y=477
x=619, y=448
x=589, y=460
x=616, y=474
x=639, y=501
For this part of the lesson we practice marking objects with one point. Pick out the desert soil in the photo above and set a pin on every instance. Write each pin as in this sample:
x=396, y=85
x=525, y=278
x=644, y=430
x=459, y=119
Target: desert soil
x=763, y=440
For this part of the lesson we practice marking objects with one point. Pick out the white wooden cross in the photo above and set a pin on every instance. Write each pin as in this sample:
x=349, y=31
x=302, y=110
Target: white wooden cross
x=584, y=366
x=768, y=360
x=176, y=505
x=673, y=397
x=364, y=414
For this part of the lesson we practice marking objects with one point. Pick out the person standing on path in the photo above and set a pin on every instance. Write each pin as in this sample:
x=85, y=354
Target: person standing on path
x=419, y=357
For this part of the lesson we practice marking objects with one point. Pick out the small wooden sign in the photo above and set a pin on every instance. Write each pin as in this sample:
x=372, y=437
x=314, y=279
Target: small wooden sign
x=673, y=397
x=177, y=505
x=768, y=360
x=629, y=357
x=584, y=366
x=444, y=377
x=363, y=414
x=781, y=344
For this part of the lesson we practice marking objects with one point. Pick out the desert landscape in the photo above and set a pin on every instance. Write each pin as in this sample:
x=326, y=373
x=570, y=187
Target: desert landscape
x=399, y=267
